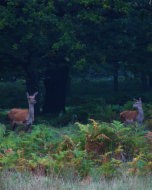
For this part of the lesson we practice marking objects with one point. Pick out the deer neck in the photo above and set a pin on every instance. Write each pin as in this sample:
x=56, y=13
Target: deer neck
x=140, y=115
x=30, y=117
x=140, y=111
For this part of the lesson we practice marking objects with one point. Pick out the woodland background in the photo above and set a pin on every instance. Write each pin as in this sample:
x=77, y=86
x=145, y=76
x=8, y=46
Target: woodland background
x=87, y=59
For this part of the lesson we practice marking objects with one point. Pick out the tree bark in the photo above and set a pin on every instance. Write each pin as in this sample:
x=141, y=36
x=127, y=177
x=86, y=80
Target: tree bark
x=31, y=83
x=55, y=90
x=115, y=76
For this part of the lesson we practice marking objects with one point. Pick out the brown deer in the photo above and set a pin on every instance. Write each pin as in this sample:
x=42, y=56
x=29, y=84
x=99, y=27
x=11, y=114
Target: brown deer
x=131, y=117
x=23, y=116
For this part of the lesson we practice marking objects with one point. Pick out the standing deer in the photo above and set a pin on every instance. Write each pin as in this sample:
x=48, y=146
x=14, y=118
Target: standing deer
x=130, y=117
x=23, y=116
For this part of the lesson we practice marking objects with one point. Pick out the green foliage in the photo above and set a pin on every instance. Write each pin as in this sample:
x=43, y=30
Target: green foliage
x=110, y=169
x=2, y=131
x=128, y=105
x=79, y=148
x=12, y=95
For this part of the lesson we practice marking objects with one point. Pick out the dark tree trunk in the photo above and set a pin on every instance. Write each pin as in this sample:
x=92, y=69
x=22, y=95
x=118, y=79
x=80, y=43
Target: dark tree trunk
x=31, y=84
x=115, y=76
x=55, y=90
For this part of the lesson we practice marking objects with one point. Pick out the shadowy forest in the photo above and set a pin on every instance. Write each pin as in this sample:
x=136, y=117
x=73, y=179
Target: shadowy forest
x=49, y=45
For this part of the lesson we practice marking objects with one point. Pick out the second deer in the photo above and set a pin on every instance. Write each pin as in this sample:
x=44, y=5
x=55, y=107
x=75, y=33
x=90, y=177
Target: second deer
x=23, y=116
x=131, y=117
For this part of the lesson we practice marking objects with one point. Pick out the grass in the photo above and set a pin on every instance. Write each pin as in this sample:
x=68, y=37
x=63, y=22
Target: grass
x=25, y=181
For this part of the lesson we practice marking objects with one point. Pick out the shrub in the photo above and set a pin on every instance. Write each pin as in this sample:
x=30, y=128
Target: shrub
x=12, y=94
x=79, y=147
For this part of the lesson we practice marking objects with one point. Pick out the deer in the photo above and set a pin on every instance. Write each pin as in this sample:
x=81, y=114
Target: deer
x=131, y=117
x=24, y=117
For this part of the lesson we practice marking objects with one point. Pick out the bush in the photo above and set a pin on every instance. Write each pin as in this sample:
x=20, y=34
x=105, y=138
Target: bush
x=12, y=94
x=79, y=147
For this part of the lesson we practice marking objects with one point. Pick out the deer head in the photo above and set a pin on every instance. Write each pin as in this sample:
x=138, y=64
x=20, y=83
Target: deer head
x=31, y=99
x=137, y=104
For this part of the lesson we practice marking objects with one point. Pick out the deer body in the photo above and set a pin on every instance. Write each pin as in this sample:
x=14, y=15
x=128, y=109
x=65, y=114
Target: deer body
x=23, y=116
x=130, y=117
x=18, y=116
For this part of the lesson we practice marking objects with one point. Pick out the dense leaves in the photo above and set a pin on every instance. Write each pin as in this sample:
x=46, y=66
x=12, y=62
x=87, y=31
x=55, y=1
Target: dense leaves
x=39, y=40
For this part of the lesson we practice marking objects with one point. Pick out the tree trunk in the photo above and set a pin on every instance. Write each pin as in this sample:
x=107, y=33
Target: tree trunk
x=55, y=90
x=31, y=84
x=115, y=76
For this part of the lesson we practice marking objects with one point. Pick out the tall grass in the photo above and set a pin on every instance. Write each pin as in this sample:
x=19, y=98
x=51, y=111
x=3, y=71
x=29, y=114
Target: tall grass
x=25, y=181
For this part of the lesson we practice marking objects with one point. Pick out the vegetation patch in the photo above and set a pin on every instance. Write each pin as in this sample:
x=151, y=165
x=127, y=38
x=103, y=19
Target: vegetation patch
x=81, y=147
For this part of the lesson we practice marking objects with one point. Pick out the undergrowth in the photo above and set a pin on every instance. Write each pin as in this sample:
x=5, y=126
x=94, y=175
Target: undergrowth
x=82, y=148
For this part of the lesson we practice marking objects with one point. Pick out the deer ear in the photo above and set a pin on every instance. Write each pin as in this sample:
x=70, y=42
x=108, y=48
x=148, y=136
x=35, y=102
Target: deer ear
x=27, y=94
x=36, y=93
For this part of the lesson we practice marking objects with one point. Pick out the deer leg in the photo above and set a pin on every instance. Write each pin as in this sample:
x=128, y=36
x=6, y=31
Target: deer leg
x=27, y=126
x=13, y=126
